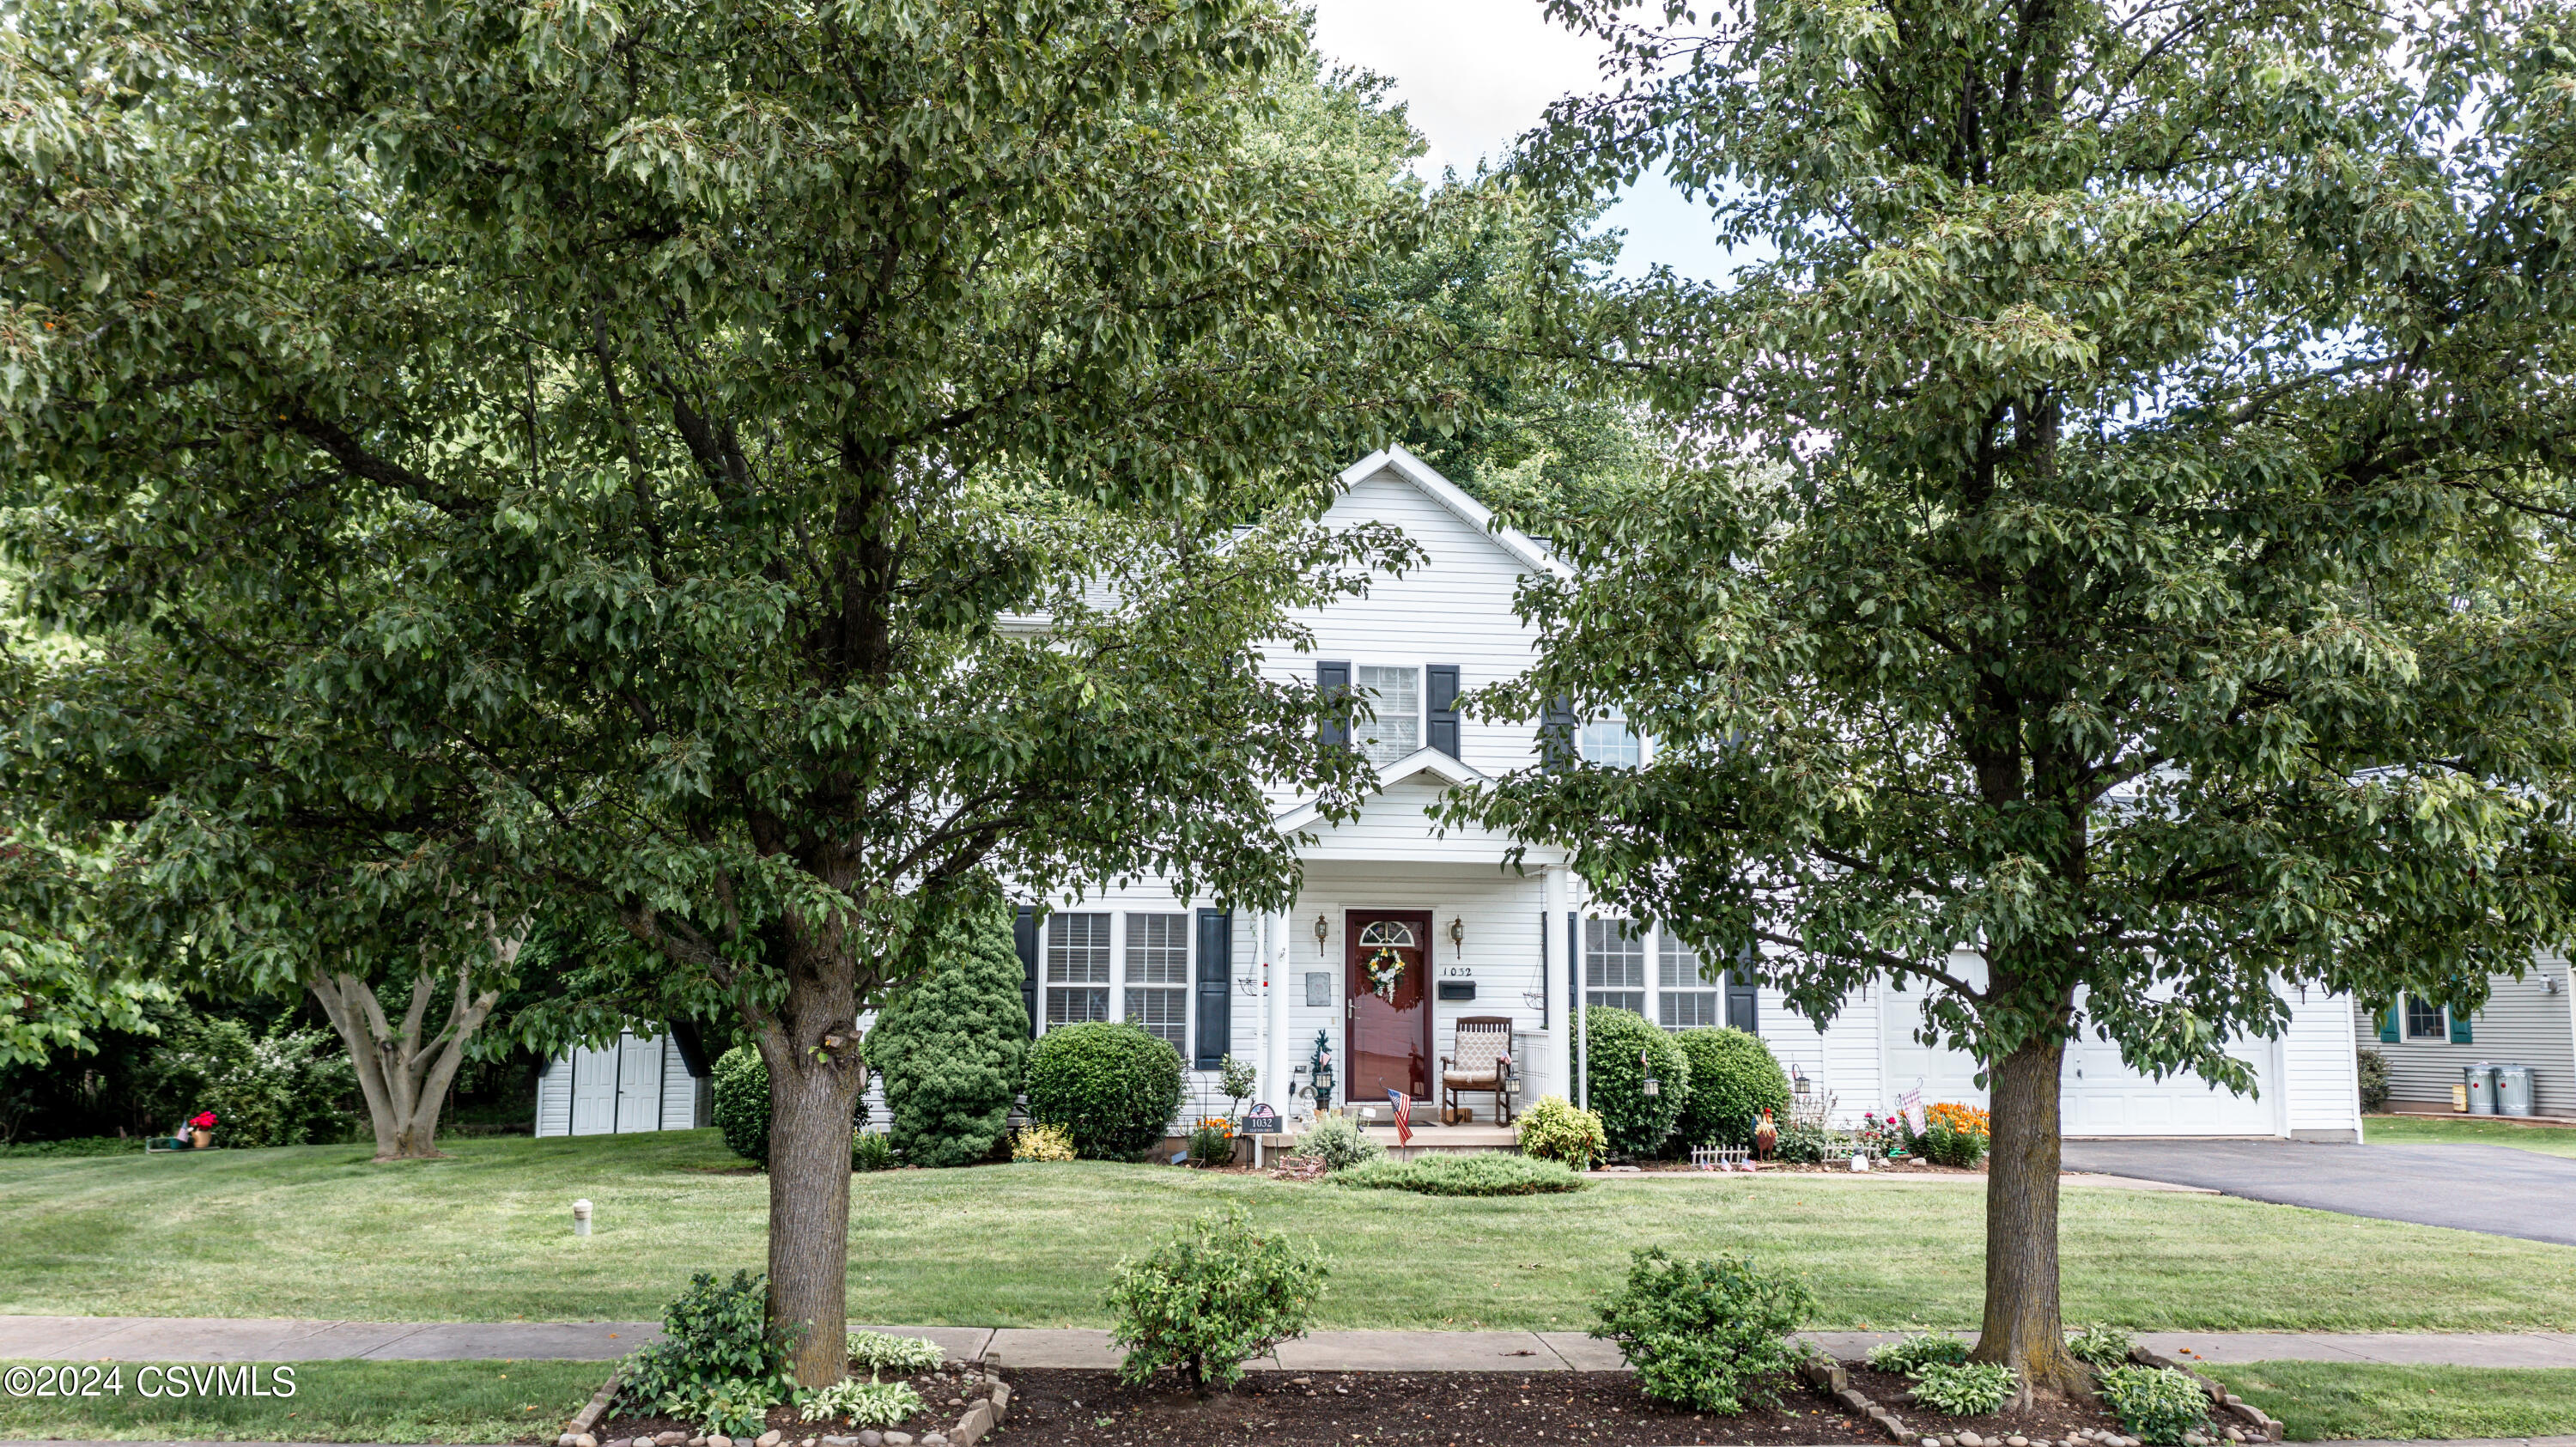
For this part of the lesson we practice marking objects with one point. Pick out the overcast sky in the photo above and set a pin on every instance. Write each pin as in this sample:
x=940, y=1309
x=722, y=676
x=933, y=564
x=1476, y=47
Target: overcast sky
x=1476, y=73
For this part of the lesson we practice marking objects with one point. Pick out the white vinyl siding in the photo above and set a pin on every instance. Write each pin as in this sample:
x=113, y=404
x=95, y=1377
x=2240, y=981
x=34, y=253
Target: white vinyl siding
x=2530, y=1021
x=1158, y=976
x=1396, y=696
x=1076, y=979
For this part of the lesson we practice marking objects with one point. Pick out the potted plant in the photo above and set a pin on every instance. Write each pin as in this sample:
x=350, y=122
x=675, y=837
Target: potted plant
x=201, y=1129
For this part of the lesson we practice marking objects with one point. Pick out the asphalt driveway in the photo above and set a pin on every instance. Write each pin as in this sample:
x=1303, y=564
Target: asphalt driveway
x=2496, y=1189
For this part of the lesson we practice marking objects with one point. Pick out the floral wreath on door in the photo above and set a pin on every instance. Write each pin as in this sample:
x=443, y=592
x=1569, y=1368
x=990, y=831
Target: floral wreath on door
x=1386, y=968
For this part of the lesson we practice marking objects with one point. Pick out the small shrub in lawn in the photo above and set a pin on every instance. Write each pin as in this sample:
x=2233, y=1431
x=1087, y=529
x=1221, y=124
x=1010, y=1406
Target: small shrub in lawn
x=1914, y=1353
x=864, y=1404
x=741, y=1106
x=1211, y=1298
x=1042, y=1143
x=1338, y=1142
x=2101, y=1345
x=1624, y=1051
x=1553, y=1130
x=874, y=1351
x=872, y=1151
x=1965, y=1389
x=1805, y=1143
x=2156, y=1404
x=1709, y=1335
x=719, y=1356
x=2371, y=1068
x=1484, y=1173
x=1112, y=1087
x=1733, y=1079
x=1944, y=1144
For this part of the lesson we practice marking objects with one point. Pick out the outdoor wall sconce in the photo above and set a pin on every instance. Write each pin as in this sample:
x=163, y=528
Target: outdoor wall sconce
x=1458, y=933
x=1321, y=929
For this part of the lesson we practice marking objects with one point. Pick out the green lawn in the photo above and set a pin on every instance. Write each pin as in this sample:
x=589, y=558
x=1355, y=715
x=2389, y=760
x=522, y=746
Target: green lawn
x=333, y=1402
x=320, y=1231
x=2319, y=1400
x=2417, y=1130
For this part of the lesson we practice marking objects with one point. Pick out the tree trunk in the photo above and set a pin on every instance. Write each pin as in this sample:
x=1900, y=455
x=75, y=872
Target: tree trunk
x=815, y=1078
x=2023, y=1328
x=403, y=1077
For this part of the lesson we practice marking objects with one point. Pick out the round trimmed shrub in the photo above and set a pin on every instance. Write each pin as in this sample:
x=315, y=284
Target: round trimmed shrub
x=1733, y=1079
x=1634, y=1122
x=1112, y=1087
x=741, y=1090
x=951, y=1048
x=1553, y=1130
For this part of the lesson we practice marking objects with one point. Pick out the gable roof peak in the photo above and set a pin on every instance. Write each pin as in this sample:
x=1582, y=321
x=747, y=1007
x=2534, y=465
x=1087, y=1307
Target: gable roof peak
x=1528, y=551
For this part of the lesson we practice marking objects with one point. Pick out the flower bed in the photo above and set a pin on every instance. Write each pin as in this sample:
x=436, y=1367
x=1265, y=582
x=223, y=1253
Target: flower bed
x=949, y=1395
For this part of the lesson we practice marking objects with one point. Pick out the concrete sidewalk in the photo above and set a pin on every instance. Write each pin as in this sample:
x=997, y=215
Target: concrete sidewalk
x=213, y=1339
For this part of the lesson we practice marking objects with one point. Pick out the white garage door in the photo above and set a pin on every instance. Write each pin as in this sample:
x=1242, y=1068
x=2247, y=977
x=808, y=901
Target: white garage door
x=2098, y=1094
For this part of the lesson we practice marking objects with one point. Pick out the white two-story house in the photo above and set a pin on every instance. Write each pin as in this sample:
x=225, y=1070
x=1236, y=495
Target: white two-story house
x=1482, y=940
x=1477, y=939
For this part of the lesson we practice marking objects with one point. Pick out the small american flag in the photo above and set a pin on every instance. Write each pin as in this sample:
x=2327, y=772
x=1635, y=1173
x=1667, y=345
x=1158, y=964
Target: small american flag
x=1403, y=1104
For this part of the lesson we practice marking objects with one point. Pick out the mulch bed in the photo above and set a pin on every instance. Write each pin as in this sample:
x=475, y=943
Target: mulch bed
x=2048, y=1418
x=943, y=1395
x=1397, y=1409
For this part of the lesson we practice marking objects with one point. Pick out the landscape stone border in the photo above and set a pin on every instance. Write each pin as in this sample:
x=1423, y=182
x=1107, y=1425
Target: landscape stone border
x=1828, y=1377
x=989, y=1402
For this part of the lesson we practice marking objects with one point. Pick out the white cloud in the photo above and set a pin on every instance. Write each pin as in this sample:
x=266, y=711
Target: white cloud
x=1475, y=74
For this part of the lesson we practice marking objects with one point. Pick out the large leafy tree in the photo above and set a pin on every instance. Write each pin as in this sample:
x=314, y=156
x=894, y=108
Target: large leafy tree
x=2128, y=536
x=813, y=459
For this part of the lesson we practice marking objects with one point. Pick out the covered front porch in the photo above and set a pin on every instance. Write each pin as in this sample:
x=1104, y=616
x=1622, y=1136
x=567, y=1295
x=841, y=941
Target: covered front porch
x=1403, y=933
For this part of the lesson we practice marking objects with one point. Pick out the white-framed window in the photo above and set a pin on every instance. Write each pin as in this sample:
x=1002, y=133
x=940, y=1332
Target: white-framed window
x=1684, y=998
x=2426, y=1020
x=1157, y=976
x=1610, y=742
x=1077, y=969
x=1614, y=964
x=1395, y=694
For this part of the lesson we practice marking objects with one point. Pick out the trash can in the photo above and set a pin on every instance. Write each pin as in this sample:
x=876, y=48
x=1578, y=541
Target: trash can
x=2513, y=1090
x=2481, y=1082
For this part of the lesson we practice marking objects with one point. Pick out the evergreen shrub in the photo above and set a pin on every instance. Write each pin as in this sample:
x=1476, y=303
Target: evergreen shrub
x=1113, y=1088
x=1634, y=1122
x=1733, y=1079
x=951, y=1048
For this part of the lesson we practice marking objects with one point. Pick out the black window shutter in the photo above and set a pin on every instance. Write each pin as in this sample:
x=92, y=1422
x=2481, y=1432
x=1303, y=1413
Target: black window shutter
x=1440, y=693
x=1216, y=986
x=1024, y=934
x=1333, y=684
x=1740, y=997
x=1556, y=736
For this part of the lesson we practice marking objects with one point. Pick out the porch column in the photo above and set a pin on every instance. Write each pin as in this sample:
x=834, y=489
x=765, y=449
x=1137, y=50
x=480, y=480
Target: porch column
x=1282, y=966
x=1558, y=1076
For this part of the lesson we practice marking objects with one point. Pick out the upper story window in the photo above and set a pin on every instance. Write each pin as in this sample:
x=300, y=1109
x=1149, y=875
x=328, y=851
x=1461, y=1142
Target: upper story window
x=1396, y=696
x=1610, y=742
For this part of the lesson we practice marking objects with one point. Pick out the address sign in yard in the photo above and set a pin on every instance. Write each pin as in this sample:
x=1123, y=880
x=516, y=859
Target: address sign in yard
x=78, y=1380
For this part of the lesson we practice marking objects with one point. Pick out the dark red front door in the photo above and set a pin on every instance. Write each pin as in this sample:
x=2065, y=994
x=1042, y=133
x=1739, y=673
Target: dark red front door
x=1390, y=1037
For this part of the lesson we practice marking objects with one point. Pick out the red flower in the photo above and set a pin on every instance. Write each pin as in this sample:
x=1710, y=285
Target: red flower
x=202, y=1120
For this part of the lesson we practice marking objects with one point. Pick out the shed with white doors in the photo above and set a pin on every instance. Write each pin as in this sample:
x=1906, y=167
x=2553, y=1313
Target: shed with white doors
x=634, y=1083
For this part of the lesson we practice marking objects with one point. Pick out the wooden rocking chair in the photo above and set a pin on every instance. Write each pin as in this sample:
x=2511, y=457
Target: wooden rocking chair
x=1482, y=1062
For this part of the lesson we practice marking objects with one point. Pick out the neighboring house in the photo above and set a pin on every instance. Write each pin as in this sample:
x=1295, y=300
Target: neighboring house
x=1393, y=886
x=636, y=1083
x=2530, y=1021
